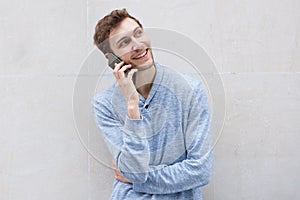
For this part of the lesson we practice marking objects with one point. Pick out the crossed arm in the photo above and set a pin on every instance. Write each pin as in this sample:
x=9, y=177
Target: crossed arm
x=131, y=151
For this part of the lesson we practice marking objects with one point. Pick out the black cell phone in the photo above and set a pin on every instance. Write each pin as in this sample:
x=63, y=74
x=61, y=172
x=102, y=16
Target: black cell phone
x=112, y=59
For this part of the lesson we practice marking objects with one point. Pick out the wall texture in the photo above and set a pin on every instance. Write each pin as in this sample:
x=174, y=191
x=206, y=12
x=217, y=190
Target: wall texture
x=45, y=154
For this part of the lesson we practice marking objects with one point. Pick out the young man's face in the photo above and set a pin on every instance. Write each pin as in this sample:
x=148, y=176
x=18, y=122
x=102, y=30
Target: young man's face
x=130, y=43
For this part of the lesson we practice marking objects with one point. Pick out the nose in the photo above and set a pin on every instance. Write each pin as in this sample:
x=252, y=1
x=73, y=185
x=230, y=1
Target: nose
x=136, y=44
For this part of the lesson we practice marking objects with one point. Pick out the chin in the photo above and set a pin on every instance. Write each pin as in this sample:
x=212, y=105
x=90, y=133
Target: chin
x=145, y=65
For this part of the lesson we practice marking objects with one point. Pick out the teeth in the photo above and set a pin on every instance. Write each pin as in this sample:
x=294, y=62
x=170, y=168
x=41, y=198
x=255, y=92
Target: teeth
x=142, y=55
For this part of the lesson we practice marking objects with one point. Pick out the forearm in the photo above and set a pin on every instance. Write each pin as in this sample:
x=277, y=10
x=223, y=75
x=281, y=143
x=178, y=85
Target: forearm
x=179, y=177
x=194, y=171
x=124, y=140
x=133, y=159
x=133, y=110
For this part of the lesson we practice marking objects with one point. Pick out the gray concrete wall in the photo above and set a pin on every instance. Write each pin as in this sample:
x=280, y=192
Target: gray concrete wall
x=46, y=154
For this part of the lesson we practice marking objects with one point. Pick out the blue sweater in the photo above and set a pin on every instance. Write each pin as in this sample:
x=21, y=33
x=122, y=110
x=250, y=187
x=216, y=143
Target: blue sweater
x=167, y=154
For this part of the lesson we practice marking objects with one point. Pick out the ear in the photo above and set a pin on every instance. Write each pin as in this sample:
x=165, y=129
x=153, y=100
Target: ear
x=106, y=55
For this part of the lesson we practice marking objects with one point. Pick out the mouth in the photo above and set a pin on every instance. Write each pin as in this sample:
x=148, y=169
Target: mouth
x=141, y=55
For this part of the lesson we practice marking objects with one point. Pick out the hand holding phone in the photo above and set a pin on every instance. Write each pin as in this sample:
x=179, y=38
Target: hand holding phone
x=126, y=86
x=113, y=59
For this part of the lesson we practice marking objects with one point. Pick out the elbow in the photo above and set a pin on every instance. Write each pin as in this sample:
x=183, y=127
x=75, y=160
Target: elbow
x=206, y=167
x=205, y=181
x=205, y=178
x=204, y=173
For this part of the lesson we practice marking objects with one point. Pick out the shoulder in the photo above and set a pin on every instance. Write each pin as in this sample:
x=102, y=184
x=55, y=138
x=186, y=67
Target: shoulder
x=195, y=84
x=181, y=81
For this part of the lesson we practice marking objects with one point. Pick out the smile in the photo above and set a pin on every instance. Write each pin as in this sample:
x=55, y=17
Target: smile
x=141, y=56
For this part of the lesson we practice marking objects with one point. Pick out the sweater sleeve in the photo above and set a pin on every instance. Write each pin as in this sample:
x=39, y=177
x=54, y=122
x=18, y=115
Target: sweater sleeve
x=195, y=170
x=125, y=141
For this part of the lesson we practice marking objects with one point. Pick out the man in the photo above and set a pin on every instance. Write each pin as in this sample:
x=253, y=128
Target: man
x=156, y=125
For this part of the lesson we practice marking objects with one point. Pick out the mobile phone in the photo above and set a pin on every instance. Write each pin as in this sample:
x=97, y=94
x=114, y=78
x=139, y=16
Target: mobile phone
x=112, y=59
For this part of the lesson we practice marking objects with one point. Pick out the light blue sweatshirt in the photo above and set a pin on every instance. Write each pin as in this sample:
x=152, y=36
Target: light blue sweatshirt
x=167, y=154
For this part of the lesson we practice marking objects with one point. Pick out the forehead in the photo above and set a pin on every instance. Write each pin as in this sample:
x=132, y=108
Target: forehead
x=126, y=26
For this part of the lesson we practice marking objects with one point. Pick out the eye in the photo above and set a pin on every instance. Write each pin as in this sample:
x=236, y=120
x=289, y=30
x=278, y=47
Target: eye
x=139, y=33
x=124, y=42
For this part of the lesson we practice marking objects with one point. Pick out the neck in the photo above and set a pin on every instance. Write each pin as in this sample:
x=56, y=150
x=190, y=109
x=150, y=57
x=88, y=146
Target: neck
x=144, y=80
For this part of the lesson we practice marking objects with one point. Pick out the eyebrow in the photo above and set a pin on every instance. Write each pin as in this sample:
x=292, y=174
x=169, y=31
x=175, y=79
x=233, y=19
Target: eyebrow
x=122, y=38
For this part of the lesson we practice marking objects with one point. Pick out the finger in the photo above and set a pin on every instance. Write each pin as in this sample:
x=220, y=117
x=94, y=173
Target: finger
x=117, y=68
x=130, y=74
x=114, y=168
x=123, y=69
x=118, y=178
x=116, y=173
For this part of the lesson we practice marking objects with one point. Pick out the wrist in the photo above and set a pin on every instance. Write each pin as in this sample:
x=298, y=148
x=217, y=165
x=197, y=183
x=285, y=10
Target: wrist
x=133, y=111
x=133, y=102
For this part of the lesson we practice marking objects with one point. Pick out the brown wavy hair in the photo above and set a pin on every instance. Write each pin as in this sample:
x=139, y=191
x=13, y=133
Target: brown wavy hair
x=106, y=25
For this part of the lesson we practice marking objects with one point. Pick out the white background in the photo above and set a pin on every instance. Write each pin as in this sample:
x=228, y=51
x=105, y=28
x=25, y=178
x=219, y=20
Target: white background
x=254, y=44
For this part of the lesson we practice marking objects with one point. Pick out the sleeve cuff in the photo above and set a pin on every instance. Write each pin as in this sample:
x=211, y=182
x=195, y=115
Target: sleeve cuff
x=135, y=127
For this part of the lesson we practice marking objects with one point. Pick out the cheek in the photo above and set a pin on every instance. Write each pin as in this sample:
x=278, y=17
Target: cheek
x=122, y=54
x=147, y=41
x=125, y=56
